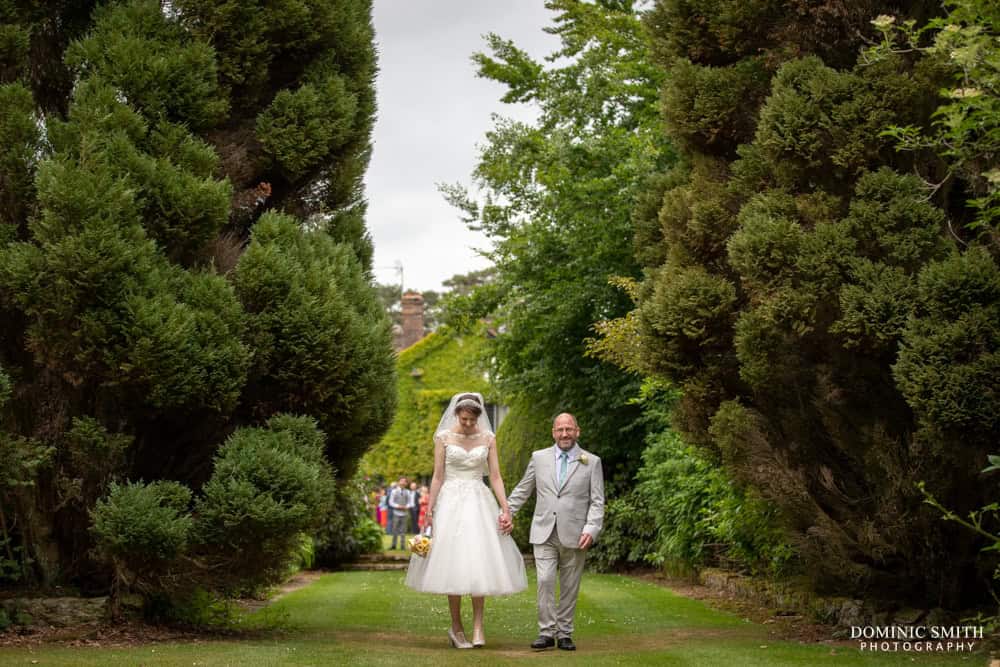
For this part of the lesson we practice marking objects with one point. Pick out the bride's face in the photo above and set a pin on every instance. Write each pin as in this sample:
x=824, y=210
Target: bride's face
x=467, y=422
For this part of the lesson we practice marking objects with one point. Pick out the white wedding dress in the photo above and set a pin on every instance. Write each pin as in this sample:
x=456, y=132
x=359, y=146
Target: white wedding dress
x=469, y=555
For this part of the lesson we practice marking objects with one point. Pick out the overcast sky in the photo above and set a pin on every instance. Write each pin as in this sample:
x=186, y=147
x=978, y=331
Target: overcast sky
x=432, y=113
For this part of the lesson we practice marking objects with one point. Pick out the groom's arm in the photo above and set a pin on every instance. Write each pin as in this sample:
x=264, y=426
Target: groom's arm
x=595, y=512
x=523, y=490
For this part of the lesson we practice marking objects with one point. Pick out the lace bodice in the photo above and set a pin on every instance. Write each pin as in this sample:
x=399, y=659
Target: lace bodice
x=465, y=457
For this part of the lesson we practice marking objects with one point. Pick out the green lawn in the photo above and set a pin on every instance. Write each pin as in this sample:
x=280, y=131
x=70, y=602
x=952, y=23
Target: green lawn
x=370, y=618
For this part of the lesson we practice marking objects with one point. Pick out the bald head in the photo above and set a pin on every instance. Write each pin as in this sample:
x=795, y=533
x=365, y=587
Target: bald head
x=565, y=416
x=565, y=430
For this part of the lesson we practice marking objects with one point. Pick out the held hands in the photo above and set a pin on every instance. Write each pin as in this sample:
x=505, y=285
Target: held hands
x=505, y=523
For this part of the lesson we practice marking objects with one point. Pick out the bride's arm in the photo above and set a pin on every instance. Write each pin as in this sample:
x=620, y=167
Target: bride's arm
x=436, y=480
x=496, y=482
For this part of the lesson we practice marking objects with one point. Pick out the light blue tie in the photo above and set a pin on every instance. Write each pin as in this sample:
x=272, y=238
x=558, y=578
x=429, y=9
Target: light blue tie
x=563, y=462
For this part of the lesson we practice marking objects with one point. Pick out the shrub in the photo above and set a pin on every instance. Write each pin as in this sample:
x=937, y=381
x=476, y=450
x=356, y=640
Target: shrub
x=344, y=533
x=141, y=529
x=147, y=521
x=629, y=534
x=269, y=486
x=684, y=512
x=368, y=535
x=304, y=553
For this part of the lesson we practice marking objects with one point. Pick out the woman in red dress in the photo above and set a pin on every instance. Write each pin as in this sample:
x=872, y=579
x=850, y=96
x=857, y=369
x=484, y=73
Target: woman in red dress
x=424, y=498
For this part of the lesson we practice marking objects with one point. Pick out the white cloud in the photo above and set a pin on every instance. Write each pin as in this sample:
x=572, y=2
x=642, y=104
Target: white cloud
x=433, y=111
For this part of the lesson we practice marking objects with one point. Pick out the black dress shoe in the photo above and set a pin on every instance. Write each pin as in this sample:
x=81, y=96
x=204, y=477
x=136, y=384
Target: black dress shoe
x=543, y=642
x=566, y=644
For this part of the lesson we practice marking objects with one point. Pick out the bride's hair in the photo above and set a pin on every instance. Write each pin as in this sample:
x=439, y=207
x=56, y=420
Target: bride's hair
x=469, y=403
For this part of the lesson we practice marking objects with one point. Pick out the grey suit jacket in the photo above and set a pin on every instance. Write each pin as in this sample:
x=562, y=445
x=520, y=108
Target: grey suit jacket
x=572, y=509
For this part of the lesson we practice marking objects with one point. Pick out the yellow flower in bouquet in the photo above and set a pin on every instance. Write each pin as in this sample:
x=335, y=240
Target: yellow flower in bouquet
x=420, y=545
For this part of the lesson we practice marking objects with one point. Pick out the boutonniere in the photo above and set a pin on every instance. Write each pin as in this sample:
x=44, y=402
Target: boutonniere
x=583, y=459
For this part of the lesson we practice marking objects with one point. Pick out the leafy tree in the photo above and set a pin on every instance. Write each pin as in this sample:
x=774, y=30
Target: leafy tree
x=966, y=127
x=461, y=284
x=169, y=283
x=829, y=320
x=558, y=196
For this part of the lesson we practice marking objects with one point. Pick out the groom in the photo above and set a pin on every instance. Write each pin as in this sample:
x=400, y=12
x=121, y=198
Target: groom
x=569, y=513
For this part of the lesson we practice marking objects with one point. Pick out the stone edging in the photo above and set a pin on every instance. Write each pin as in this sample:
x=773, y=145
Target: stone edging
x=841, y=612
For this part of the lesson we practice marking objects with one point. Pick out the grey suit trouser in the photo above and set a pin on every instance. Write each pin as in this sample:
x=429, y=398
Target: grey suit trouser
x=553, y=560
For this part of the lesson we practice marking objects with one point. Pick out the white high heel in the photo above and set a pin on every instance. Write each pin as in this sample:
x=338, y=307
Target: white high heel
x=458, y=639
x=478, y=640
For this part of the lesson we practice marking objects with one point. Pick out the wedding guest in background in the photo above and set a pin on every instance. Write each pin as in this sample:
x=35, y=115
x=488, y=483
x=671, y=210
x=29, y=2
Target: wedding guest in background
x=422, y=517
x=388, y=509
x=414, y=508
x=399, y=502
x=380, y=506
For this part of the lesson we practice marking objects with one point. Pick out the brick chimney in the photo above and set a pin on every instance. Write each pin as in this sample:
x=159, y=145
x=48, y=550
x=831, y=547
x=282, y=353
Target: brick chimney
x=412, y=318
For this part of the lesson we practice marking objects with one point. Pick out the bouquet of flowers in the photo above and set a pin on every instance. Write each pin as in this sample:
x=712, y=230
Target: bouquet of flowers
x=420, y=543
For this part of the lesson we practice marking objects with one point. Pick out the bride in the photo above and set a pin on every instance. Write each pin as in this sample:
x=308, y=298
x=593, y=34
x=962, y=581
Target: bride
x=469, y=554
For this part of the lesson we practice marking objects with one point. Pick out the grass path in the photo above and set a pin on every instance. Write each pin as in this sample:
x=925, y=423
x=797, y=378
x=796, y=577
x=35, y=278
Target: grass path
x=370, y=618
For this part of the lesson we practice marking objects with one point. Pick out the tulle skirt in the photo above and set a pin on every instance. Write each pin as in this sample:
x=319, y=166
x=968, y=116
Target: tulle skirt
x=469, y=555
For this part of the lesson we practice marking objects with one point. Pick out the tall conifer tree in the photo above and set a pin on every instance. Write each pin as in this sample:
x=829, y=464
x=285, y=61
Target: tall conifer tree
x=831, y=319
x=183, y=255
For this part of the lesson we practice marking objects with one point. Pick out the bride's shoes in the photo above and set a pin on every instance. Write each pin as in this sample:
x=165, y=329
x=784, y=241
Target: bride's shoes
x=458, y=639
x=478, y=640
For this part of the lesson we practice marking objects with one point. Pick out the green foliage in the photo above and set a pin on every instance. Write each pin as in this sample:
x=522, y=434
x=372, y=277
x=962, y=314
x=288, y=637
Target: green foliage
x=122, y=317
x=528, y=427
x=15, y=41
x=721, y=32
x=204, y=610
x=304, y=553
x=982, y=522
x=131, y=180
x=708, y=108
x=429, y=373
x=949, y=353
x=629, y=535
x=694, y=505
x=24, y=459
x=181, y=203
x=300, y=72
x=147, y=525
x=558, y=196
x=269, y=487
x=156, y=65
x=299, y=129
x=198, y=609
x=692, y=310
x=832, y=330
x=347, y=530
x=20, y=142
x=323, y=341
x=368, y=535
x=966, y=125
x=684, y=512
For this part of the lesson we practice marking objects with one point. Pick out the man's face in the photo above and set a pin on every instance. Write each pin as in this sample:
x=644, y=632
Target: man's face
x=413, y=486
x=565, y=431
x=402, y=482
